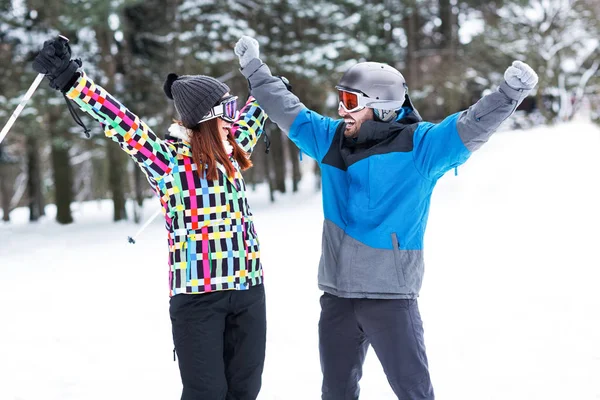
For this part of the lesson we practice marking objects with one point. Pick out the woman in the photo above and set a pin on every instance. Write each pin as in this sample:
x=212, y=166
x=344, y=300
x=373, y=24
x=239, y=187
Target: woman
x=217, y=304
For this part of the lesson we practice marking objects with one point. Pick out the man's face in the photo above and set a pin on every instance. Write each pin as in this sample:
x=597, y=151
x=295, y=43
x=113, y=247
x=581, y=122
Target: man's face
x=354, y=120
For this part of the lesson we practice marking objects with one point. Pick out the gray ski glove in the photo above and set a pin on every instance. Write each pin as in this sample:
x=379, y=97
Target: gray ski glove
x=246, y=49
x=520, y=76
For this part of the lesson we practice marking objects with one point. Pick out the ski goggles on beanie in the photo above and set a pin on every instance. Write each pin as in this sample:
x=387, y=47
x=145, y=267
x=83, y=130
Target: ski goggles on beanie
x=226, y=110
x=351, y=101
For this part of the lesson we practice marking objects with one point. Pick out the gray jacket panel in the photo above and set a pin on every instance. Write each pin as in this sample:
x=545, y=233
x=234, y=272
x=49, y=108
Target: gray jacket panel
x=349, y=268
x=478, y=123
x=281, y=105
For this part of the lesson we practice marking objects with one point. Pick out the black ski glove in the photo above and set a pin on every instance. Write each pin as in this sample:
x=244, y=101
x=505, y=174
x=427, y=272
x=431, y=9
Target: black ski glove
x=54, y=61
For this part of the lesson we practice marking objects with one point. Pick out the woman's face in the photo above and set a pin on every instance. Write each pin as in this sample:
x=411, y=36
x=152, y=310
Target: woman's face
x=223, y=126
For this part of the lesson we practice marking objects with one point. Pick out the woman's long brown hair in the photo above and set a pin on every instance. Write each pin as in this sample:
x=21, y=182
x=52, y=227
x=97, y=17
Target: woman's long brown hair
x=208, y=150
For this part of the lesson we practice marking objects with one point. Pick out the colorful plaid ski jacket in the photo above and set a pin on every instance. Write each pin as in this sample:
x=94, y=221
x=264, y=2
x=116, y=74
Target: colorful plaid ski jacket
x=211, y=237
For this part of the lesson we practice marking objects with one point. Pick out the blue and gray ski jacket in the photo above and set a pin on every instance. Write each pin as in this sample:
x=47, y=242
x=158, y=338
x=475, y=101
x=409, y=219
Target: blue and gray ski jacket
x=377, y=188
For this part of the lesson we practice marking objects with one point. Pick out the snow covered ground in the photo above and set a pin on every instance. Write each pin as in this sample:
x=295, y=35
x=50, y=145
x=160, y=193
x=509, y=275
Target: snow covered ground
x=510, y=301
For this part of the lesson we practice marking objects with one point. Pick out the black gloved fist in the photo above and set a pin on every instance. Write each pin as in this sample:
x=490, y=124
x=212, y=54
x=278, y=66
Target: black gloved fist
x=287, y=83
x=54, y=61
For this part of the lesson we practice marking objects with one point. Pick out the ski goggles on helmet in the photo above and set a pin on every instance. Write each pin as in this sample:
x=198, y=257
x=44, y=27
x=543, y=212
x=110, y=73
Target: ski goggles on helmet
x=226, y=110
x=351, y=101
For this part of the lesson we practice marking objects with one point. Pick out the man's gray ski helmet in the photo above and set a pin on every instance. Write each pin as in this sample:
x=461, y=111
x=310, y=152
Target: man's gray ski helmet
x=384, y=85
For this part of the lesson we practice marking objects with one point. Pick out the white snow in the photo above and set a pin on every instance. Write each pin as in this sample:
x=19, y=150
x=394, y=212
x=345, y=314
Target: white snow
x=510, y=301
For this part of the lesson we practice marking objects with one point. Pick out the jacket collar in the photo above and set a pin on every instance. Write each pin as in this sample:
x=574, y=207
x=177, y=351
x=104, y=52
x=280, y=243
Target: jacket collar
x=372, y=132
x=179, y=132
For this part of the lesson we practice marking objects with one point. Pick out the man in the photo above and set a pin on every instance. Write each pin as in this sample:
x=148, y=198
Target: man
x=379, y=166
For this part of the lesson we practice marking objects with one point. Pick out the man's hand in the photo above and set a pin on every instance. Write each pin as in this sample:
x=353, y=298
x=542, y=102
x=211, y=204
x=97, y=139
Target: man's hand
x=246, y=49
x=520, y=76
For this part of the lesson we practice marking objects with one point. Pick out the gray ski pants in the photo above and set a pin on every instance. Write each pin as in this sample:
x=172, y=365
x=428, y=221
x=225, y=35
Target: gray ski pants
x=393, y=327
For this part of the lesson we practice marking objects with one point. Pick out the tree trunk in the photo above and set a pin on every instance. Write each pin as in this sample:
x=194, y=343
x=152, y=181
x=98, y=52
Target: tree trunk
x=278, y=158
x=138, y=184
x=117, y=166
x=250, y=176
x=449, y=30
x=63, y=191
x=5, y=192
x=317, y=171
x=449, y=81
x=267, y=164
x=116, y=180
x=34, y=179
x=412, y=46
x=546, y=113
x=5, y=189
x=295, y=159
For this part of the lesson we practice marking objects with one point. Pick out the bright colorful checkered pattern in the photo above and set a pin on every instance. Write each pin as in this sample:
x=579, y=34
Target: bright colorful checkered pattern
x=246, y=129
x=212, y=241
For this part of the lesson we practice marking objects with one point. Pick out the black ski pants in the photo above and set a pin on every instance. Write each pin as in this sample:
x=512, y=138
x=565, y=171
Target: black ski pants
x=220, y=341
x=393, y=327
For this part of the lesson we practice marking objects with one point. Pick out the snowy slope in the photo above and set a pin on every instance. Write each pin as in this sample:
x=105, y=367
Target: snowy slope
x=510, y=301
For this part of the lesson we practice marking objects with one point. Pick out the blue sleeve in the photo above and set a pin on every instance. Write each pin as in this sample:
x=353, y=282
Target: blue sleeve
x=313, y=133
x=438, y=147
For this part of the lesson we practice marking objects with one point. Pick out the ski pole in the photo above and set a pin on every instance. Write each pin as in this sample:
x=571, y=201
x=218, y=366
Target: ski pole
x=131, y=239
x=20, y=107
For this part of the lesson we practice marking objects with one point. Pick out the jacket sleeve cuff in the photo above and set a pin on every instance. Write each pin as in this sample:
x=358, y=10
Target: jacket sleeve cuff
x=77, y=86
x=251, y=67
x=514, y=94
